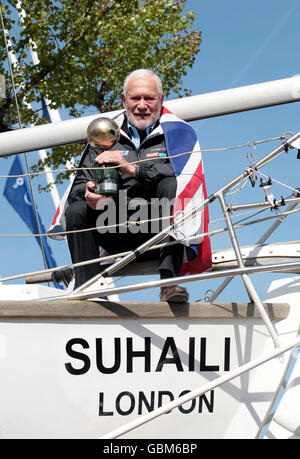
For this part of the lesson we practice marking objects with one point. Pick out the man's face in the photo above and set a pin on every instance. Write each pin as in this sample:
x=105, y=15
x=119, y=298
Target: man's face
x=142, y=102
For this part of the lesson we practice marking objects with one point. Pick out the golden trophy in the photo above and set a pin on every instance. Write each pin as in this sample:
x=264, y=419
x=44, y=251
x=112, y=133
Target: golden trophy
x=102, y=134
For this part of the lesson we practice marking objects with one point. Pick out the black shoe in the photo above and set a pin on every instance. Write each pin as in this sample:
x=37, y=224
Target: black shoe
x=174, y=294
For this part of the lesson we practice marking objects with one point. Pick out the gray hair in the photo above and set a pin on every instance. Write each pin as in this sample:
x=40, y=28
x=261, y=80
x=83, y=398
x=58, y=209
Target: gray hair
x=144, y=73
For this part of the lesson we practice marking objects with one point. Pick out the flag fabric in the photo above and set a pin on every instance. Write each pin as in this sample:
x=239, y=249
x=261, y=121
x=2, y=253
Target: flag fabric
x=185, y=156
x=184, y=152
x=17, y=193
x=45, y=109
x=58, y=225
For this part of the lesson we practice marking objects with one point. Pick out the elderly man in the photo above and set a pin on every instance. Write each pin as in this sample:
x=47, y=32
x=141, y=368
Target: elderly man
x=141, y=138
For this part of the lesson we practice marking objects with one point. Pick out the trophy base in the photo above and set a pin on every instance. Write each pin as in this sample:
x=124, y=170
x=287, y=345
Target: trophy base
x=107, y=189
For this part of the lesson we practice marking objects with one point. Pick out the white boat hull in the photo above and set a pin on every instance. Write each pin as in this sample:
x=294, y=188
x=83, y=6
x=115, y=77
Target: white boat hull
x=82, y=369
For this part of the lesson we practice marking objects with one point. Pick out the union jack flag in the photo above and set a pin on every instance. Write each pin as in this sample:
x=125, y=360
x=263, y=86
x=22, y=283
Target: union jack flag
x=184, y=152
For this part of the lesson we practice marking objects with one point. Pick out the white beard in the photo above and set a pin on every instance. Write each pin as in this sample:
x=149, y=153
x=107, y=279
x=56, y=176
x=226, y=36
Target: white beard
x=144, y=124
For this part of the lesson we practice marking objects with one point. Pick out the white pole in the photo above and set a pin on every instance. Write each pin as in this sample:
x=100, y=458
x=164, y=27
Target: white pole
x=191, y=108
x=197, y=392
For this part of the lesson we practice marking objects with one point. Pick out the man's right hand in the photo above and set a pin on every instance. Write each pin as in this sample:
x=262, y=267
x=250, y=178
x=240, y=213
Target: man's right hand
x=93, y=200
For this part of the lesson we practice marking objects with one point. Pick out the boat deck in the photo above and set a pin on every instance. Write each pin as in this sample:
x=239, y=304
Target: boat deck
x=87, y=309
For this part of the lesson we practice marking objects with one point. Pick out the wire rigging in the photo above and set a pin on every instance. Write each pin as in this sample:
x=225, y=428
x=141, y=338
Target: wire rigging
x=20, y=125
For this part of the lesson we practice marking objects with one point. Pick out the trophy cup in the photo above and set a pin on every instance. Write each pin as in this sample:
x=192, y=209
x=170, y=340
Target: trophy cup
x=102, y=134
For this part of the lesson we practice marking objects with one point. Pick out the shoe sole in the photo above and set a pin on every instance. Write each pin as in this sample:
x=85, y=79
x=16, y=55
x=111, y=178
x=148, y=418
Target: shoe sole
x=178, y=298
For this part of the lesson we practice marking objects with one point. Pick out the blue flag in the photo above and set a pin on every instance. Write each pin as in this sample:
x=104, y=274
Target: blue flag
x=18, y=194
x=44, y=109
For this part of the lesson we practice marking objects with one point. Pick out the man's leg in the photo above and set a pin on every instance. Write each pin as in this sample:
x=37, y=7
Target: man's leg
x=171, y=257
x=83, y=245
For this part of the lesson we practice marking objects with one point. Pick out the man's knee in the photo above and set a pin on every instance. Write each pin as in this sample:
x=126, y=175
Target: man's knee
x=76, y=214
x=166, y=188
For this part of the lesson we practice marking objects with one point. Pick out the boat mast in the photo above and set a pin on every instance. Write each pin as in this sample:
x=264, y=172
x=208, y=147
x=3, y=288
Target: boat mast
x=191, y=108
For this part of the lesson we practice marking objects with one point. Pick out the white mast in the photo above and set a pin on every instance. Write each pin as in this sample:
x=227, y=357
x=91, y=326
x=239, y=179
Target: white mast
x=191, y=108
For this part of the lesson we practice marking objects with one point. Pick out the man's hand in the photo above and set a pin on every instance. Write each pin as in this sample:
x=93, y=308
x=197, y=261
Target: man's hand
x=116, y=157
x=95, y=201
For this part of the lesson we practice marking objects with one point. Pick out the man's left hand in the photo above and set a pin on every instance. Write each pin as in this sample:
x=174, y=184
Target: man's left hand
x=116, y=157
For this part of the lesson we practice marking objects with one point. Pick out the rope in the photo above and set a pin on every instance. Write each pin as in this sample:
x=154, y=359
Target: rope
x=75, y=169
x=20, y=125
x=127, y=223
x=158, y=246
x=124, y=224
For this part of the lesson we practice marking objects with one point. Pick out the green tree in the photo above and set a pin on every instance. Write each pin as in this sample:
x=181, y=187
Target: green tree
x=86, y=48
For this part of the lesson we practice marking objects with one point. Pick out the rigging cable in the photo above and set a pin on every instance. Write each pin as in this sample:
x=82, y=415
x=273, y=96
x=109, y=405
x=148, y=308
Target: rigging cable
x=20, y=126
x=210, y=150
x=122, y=254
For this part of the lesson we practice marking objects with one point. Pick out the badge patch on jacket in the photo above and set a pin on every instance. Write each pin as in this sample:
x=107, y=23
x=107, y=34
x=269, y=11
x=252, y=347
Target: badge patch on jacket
x=156, y=154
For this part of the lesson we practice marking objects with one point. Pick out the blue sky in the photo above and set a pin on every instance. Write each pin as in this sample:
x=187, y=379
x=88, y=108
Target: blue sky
x=243, y=43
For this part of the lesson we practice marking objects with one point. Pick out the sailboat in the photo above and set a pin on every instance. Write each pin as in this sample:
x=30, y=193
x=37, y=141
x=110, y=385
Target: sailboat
x=74, y=365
